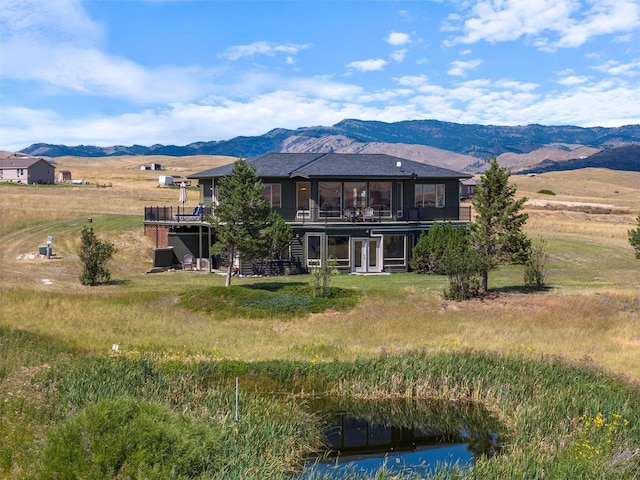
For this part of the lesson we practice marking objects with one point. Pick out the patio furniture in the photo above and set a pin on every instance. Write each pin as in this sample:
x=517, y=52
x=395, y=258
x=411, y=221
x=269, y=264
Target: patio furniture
x=350, y=215
x=191, y=217
x=187, y=262
x=369, y=215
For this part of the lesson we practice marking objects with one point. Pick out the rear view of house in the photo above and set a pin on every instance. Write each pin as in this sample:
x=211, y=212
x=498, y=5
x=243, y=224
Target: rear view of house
x=365, y=212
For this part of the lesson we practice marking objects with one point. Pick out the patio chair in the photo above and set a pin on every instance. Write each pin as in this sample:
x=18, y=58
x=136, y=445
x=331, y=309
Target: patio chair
x=187, y=262
x=369, y=215
x=350, y=215
x=195, y=216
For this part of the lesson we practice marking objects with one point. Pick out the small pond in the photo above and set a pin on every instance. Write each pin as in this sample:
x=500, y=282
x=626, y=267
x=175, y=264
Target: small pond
x=361, y=437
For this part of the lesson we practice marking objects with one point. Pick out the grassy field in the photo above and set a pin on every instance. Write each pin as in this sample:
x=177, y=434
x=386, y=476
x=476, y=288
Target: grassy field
x=590, y=310
x=590, y=314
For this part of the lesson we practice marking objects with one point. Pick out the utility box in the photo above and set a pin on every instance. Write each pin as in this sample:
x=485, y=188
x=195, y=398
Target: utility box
x=42, y=249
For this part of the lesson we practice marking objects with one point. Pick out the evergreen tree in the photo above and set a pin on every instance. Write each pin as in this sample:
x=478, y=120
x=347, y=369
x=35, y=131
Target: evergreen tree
x=497, y=230
x=634, y=238
x=464, y=267
x=427, y=255
x=94, y=254
x=242, y=217
x=277, y=236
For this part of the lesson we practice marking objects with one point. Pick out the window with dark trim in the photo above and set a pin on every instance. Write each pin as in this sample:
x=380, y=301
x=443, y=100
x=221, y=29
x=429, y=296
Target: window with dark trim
x=338, y=249
x=394, y=249
x=272, y=193
x=429, y=195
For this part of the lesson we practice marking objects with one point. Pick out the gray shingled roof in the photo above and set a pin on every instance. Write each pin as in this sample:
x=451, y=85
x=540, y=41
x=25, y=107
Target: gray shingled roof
x=336, y=165
x=19, y=162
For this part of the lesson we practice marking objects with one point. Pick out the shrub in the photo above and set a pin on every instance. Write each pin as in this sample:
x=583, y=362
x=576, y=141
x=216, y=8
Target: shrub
x=128, y=438
x=94, y=254
x=464, y=266
x=431, y=247
x=321, y=278
x=545, y=191
x=535, y=265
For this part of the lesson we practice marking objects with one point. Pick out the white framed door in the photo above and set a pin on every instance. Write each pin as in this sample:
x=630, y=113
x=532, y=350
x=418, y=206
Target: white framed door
x=367, y=255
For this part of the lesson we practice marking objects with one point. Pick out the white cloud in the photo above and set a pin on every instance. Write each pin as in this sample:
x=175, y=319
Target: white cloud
x=399, y=55
x=460, y=68
x=615, y=68
x=56, y=21
x=368, y=65
x=502, y=102
x=398, y=39
x=573, y=80
x=261, y=48
x=55, y=44
x=412, y=80
x=570, y=23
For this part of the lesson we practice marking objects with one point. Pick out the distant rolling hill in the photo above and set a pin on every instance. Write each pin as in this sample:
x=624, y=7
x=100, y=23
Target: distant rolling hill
x=625, y=158
x=457, y=146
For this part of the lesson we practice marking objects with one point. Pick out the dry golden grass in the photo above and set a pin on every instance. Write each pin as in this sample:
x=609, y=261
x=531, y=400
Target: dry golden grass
x=592, y=308
x=592, y=185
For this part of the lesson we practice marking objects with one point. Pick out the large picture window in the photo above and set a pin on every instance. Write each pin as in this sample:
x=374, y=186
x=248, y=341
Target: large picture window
x=330, y=199
x=380, y=198
x=338, y=249
x=355, y=194
x=272, y=193
x=429, y=195
x=394, y=249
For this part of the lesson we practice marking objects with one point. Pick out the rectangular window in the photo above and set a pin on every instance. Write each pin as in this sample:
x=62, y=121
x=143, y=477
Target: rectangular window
x=303, y=197
x=429, y=195
x=313, y=251
x=380, y=198
x=330, y=199
x=394, y=249
x=272, y=193
x=400, y=205
x=355, y=195
x=338, y=249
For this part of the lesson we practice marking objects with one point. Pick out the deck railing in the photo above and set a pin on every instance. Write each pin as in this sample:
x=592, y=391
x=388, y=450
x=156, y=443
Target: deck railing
x=315, y=215
x=174, y=214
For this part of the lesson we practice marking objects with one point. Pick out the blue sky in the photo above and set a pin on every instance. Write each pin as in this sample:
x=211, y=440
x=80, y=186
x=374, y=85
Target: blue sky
x=122, y=72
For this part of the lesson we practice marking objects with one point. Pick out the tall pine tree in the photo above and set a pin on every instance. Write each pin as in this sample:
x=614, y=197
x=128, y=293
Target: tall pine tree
x=497, y=232
x=241, y=217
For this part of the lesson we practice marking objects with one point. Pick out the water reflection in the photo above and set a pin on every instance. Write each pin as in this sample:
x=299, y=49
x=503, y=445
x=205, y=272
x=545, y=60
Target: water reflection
x=402, y=436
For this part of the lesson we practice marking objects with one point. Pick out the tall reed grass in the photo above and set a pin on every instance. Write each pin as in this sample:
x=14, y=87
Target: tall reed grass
x=560, y=418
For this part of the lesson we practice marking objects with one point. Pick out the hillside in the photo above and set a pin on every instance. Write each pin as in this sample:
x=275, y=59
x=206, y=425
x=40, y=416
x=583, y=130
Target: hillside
x=621, y=158
x=457, y=146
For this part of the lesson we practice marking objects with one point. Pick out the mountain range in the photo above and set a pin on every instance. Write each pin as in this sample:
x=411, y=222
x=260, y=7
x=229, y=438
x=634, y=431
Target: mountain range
x=465, y=147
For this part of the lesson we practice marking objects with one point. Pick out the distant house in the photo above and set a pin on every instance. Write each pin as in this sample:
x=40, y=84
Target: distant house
x=468, y=188
x=27, y=170
x=153, y=166
x=64, y=176
x=363, y=211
